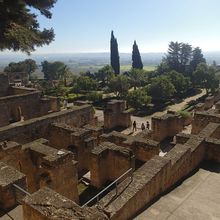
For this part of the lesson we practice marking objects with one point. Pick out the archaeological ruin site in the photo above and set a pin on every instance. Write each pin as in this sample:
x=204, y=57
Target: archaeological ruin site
x=69, y=164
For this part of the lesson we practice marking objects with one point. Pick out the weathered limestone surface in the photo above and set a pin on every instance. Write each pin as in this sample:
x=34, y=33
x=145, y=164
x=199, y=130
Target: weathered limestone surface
x=24, y=103
x=160, y=173
x=35, y=128
x=115, y=115
x=80, y=141
x=108, y=162
x=143, y=148
x=201, y=119
x=133, y=194
x=46, y=204
x=43, y=166
x=4, y=84
x=167, y=125
x=9, y=195
x=47, y=166
x=217, y=106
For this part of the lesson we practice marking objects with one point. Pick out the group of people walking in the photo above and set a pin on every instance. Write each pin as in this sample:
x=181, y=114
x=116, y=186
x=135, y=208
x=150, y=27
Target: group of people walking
x=143, y=127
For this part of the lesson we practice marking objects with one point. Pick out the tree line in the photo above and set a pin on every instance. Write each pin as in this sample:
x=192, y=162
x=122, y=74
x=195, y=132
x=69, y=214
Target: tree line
x=181, y=70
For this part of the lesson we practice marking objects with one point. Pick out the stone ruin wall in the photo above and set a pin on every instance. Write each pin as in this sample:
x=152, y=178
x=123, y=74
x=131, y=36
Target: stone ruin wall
x=36, y=128
x=208, y=103
x=109, y=161
x=201, y=119
x=4, y=84
x=80, y=141
x=46, y=204
x=159, y=174
x=9, y=196
x=13, y=107
x=42, y=166
x=143, y=149
x=166, y=126
x=115, y=115
x=25, y=103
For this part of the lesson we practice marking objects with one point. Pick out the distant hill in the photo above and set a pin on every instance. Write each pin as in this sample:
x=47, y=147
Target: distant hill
x=93, y=61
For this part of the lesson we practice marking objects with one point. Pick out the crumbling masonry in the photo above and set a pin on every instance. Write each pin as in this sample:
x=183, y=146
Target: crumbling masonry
x=44, y=157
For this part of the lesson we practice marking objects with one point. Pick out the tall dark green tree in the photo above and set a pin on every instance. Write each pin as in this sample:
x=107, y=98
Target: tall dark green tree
x=179, y=56
x=115, y=63
x=19, y=28
x=136, y=57
x=197, y=58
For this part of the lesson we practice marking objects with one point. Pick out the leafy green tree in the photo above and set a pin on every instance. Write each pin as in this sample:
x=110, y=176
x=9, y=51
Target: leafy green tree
x=19, y=26
x=173, y=56
x=31, y=66
x=104, y=75
x=28, y=66
x=138, y=98
x=53, y=71
x=64, y=73
x=136, y=78
x=85, y=83
x=204, y=77
x=115, y=63
x=163, y=67
x=178, y=57
x=94, y=97
x=197, y=58
x=119, y=84
x=161, y=88
x=181, y=83
x=136, y=57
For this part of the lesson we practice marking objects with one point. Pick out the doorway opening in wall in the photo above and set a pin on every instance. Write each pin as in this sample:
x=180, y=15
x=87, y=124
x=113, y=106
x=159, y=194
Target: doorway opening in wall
x=16, y=115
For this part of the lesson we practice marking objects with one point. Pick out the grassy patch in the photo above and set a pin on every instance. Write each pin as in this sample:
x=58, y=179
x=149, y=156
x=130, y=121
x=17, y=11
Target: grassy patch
x=81, y=187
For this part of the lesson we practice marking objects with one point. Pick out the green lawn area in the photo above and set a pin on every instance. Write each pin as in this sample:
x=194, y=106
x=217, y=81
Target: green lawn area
x=128, y=67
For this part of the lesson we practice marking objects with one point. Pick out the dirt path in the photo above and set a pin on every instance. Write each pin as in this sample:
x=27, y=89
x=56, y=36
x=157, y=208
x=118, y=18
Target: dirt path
x=139, y=120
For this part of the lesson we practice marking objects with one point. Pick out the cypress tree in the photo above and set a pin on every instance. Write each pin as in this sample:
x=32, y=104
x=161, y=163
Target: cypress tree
x=114, y=54
x=136, y=57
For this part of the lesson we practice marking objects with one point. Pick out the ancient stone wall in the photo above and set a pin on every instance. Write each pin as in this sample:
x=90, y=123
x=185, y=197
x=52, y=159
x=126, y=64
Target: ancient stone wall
x=24, y=103
x=17, y=106
x=4, y=84
x=217, y=106
x=9, y=196
x=159, y=174
x=32, y=129
x=143, y=148
x=43, y=166
x=213, y=149
x=80, y=141
x=46, y=204
x=115, y=115
x=201, y=120
x=108, y=161
x=165, y=126
x=209, y=102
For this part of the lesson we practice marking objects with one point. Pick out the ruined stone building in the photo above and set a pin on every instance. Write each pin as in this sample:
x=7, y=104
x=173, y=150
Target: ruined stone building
x=47, y=155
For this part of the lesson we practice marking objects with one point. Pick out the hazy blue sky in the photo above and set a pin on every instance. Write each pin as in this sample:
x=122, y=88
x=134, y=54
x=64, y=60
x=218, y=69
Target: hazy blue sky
x=85, y=25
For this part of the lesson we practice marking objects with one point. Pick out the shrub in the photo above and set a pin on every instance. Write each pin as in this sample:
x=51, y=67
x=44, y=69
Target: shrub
x=94, y=97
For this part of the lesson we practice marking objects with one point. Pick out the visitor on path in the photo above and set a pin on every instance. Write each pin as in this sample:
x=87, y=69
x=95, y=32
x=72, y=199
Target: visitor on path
x=142, y=126
x=134, y=126
x=148, y=125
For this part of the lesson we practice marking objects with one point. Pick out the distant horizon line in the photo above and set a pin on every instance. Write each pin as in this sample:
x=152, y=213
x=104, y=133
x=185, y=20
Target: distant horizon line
x=89, y=52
